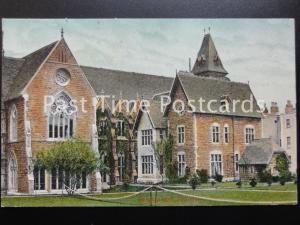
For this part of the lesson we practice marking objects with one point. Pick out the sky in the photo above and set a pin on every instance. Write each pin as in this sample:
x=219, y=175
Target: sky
x=258, y=51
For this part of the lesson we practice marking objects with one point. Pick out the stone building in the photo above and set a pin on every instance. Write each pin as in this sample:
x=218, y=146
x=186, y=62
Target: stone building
x=204, y=140
x=282, y=129
x=207, y=139
x=27, y=126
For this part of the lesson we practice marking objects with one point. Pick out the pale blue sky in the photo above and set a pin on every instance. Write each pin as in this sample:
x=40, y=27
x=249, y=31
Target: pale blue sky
x=261, y=51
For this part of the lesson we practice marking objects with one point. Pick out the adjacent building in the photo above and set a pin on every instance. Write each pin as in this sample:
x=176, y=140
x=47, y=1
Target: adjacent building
x=282, y=129
x=260, y=155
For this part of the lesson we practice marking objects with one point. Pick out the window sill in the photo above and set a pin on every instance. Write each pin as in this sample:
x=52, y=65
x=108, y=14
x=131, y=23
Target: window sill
x=58, y=139
x=121, y=138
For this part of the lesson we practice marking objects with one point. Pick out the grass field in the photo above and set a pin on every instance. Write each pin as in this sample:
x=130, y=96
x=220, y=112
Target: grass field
x=222, y=195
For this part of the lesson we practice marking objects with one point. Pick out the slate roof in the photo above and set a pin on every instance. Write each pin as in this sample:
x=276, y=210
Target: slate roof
x=10, y=69
x=213, y=89
x=208, y=59
x=128, y=84
x=156, y=114
x=22, y=72
x=260, y=152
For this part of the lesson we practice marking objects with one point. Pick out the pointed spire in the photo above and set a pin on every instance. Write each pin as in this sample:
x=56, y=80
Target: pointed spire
x=62, y=33
x=208, y=62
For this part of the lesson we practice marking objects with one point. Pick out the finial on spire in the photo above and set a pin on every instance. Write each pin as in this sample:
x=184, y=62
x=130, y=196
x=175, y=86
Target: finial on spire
x=208, y=29
x=62, y=33
x=204, y=31
x=189, y=64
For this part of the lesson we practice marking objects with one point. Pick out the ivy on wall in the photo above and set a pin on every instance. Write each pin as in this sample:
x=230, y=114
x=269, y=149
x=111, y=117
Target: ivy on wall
x=105, y=140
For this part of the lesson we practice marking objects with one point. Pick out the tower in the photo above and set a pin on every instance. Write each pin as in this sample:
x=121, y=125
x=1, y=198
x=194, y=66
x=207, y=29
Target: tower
x=208, y=62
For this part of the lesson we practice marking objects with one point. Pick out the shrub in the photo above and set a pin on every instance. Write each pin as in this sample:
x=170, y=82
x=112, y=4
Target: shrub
x=181, y=180
x=265, y=176
x=203, y=176
x=171, y=172
x=194, y=181
x=218, y=177
x=269, y=182
x=126, y=181
x=239, y=184
x=253, y=182
x=187, y=174
x=282, y=180
x=213, y=183
x=275, y=179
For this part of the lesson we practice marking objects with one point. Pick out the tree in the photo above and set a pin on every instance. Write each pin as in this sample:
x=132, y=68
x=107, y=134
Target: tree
x=282, y=166
x=163, y=154
x=74, y=157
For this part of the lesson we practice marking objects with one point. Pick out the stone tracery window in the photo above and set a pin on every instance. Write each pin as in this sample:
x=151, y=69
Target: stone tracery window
x=13, y=122
x=62, y=115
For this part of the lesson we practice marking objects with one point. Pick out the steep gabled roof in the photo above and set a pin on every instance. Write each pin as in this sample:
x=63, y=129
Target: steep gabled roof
x=10, y=69
x=129, y=85
x=196, y=87
x=30, y=65
x=208, y=59
x=260, y=152
x=155, y=115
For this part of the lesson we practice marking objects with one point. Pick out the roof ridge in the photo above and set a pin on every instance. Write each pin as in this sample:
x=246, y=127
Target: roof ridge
x=212, y=78
x=40, y=49
x=129, y=72
x=10, y=57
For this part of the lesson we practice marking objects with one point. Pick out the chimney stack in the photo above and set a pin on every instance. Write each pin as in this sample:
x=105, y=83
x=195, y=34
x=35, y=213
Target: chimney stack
x=266, y=111
x=274, y=108
x=289, y=107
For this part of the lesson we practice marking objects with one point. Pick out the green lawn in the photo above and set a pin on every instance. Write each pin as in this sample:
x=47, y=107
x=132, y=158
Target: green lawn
x=273, y=193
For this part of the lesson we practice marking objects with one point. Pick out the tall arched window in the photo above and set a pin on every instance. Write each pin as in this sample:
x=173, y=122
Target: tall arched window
x=62, y=115
x=12, y=173
x=13, y=122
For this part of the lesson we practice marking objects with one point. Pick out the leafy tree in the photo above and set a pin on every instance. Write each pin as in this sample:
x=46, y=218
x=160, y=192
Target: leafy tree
x=126, y=181
x=163, y=154
x=282, y=166
x=75, y=157
x=171, y=172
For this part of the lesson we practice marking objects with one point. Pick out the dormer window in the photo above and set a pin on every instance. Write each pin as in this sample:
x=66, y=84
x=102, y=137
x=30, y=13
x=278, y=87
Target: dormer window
x=224, y=101
x=201, y=59
x=216, y=59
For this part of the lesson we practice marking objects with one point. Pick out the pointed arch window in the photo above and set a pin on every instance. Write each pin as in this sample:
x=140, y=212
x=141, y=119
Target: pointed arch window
x=62, y=116
x=13, y=122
